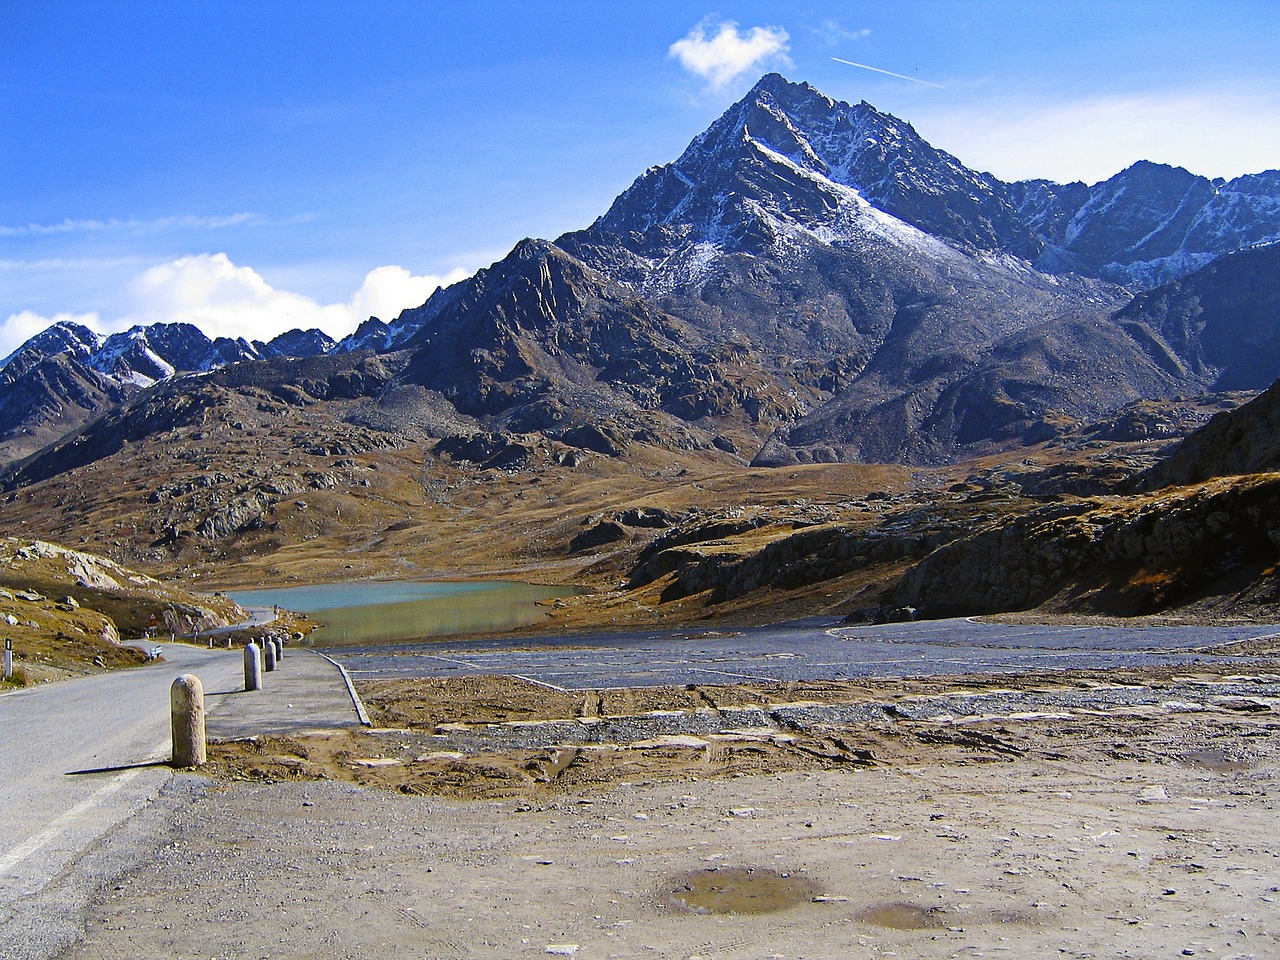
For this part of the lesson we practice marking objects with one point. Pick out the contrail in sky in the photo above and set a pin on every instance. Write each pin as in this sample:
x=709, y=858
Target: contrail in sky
x=889, y=73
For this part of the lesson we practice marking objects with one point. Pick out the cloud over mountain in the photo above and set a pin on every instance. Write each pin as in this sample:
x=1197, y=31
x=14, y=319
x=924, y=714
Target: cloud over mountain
x=726, y=54
x=228, y=300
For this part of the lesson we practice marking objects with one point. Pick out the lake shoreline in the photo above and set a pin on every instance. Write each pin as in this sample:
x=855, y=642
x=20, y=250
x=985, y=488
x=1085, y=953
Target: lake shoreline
x=397, y=610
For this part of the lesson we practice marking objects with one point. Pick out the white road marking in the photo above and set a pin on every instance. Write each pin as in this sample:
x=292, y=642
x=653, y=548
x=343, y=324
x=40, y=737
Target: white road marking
x=740, y=676
x=34, y=844
x=540, y=683
x=39, y=841
x=458, y=660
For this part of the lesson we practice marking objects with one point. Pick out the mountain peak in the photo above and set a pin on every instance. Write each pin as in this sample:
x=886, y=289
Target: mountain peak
x=787, y=157
x=64, y=336
x=778, y=86
x=800, y=248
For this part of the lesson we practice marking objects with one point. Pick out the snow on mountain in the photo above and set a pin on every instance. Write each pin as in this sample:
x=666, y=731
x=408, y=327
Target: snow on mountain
x=788, y=160
x=61, y=337
x=129, y=358
x=143, y=355
x=783, y=152
x=787, y=154
x=373, y=334
x=297, y=343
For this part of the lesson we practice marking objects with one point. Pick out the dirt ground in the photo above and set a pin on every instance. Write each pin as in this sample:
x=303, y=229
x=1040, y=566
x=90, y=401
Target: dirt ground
x=1143, y=832
x=503, y=737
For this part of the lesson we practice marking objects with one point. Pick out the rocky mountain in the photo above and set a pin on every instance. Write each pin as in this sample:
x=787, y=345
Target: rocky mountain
x=1213, y=545
x=373, y=334
x=850, y=255
x=541, y=342
x=296, y=343
x=1146, y=225
x=787, y=159
x=810, y=281
x=1219, y=324
x=1241, y=441
x=143, y=355
x=67, y=375
x=64, y=337
x=42, y=398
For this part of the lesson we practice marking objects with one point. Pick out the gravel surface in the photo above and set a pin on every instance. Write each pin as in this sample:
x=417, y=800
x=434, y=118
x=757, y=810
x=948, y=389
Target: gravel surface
x=930, y=860
x=802, y=650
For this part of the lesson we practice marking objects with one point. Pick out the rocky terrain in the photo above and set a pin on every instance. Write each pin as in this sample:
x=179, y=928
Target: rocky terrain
x=1077, y=527
x=1213, y=544
x=1245, y=442
x=262, y=486
x=67, y=611
x=813, y=363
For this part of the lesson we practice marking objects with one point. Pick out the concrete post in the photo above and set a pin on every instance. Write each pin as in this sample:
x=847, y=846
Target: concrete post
x=8, y=659
x=252, y=667
x=268, y=655
x=279, y=648
x=186, y=709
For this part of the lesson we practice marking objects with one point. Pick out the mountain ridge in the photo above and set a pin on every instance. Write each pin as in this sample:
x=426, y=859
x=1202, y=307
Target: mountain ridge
x=1124, y=229
x=809, y=281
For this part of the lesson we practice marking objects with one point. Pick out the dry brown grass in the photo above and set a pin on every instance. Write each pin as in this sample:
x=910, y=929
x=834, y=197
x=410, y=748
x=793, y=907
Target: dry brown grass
x=66, y=613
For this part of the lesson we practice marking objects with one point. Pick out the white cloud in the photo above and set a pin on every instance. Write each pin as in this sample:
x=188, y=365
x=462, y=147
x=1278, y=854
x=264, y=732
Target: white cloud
x=158, y=225
x=388, y=290
x=833, y=33
x=222, y=299
x=1213, y=133
x=728, y=54
x=226, y=300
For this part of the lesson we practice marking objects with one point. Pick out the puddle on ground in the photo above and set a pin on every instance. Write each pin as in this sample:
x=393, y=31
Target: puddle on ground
x=739, y=890
x=904, y=916
x=1214, y=760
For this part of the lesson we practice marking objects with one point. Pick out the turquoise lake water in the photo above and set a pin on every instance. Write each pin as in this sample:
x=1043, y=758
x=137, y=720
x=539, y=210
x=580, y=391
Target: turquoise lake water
x=382, y=611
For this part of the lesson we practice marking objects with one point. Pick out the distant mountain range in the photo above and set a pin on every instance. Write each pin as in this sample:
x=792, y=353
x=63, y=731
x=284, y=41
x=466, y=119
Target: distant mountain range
x=809, y=281
x=66, y=375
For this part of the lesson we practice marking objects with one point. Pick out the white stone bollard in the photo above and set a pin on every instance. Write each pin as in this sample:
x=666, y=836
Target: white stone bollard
x=252, y=667
x=8, y=659
x=186, y=710
x=268, y=655
x=279, y=649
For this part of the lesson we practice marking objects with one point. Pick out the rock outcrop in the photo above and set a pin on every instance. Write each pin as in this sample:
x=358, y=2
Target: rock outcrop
x=1124, y=556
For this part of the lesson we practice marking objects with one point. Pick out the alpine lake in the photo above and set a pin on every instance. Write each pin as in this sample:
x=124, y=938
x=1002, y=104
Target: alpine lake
x=386, y=611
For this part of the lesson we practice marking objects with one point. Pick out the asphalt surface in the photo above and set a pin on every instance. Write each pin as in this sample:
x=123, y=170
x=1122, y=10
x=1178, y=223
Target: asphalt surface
x=805, y=650
x=79, y=757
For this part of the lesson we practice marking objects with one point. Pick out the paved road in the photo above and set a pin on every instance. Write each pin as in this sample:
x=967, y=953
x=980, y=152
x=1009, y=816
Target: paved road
x=258, y=617
x=806, y=650
x=114, y=722
x=77, y=758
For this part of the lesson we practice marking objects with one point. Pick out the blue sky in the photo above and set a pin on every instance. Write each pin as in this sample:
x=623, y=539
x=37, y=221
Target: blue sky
x=255, y=166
